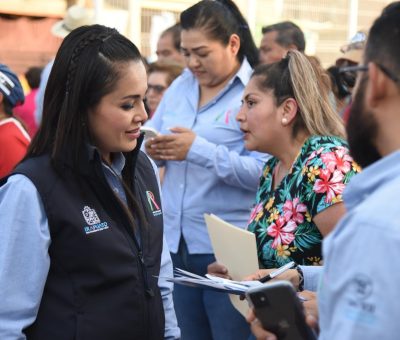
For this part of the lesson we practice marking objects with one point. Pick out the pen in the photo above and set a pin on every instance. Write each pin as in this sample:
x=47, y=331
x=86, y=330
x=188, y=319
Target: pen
x=277, y=272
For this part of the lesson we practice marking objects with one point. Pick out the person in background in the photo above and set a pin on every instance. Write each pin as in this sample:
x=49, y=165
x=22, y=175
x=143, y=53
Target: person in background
x=340, y=95
x=26, y=111
x=278, y=39
x=160, y=75
x=352, y=54
x=82, y=253
x=169, y=45
x=14, y=139
x=286, y=112
x=207, y=168
x=76, y=16
x=360, y=275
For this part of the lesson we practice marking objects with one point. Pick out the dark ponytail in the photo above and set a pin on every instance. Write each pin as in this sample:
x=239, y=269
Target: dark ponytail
x=219, y=20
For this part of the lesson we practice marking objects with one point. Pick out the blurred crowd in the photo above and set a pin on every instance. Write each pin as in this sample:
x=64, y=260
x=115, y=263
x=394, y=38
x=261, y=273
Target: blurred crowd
x=95, y=213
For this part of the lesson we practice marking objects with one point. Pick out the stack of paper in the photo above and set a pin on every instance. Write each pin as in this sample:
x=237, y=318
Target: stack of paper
x=212, y=282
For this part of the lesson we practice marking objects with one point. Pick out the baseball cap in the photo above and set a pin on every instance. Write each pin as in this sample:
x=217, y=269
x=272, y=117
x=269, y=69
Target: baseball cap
x=76, y=16
x=10, y=86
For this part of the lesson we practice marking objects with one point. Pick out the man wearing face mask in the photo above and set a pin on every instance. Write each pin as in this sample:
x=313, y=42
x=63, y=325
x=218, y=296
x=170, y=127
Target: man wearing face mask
x=361, y=271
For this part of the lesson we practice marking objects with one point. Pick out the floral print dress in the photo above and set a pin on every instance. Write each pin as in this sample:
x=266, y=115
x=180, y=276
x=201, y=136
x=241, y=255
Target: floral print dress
x=282, y=219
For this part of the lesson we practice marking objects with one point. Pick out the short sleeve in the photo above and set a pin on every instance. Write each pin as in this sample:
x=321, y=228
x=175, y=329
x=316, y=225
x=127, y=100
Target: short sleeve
x=328, y=169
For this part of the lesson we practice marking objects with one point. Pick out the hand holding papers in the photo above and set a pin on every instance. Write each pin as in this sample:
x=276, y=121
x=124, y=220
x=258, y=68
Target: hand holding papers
x=236, y=249
x=220, y=284
x=212, y=282
x=233, y=246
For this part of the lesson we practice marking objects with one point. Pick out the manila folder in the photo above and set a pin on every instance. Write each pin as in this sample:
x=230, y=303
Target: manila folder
x=236, y=249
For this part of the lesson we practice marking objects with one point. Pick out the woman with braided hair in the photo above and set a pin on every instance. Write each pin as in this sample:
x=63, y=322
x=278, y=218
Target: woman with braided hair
x=81, y=242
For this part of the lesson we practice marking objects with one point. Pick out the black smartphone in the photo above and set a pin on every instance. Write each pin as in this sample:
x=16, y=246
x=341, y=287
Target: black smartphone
x=280, y=311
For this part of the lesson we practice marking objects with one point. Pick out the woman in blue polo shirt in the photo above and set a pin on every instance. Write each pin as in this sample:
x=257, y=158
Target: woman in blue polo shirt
x=208, y=169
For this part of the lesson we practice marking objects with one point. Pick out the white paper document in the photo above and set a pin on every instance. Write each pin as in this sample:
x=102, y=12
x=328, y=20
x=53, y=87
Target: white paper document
x=211, y=282
x=236, y=249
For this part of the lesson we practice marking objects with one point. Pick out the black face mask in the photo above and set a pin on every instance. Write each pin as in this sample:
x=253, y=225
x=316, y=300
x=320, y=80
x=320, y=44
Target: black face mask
x=362, y=130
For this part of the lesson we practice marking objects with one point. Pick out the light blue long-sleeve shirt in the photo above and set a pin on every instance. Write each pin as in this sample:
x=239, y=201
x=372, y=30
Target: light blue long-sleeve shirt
x=358, y=297
x=24, y=259
x=219, y=175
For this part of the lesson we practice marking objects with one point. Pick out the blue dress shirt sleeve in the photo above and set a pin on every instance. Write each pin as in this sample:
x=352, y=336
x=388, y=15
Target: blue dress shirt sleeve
x=24, y=259
x=172, y=330
x=234, y=169
x=312, y=276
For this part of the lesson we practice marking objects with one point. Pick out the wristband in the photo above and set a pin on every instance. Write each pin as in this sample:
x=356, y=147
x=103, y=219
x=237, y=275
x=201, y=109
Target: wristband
x=300, y=288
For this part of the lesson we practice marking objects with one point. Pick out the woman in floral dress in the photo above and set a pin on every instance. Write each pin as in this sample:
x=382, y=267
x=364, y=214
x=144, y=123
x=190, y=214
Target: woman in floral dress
x=286, y=113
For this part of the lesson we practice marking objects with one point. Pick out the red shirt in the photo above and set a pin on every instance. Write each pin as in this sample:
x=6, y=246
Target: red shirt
x=14, y=141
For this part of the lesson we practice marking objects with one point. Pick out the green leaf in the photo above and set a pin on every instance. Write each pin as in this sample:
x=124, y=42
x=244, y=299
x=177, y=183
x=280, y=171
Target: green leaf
x=306, y=236
x=268, y=255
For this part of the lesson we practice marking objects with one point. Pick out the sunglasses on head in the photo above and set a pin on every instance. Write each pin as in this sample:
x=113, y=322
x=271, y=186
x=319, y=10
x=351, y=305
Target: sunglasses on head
x=363, y=68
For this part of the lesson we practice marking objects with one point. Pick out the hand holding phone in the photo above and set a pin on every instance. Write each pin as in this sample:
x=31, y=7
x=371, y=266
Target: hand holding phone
x=149, y=132
x=280, y=311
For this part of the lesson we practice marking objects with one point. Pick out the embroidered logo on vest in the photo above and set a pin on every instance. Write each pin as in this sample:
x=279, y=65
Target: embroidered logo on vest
x=93, y=220
x=155, y=208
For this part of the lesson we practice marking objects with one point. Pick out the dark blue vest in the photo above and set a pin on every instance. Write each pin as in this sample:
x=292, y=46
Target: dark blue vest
x=101, y=285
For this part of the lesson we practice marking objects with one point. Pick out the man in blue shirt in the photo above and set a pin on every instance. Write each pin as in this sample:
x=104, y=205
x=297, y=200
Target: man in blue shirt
x=361, y=272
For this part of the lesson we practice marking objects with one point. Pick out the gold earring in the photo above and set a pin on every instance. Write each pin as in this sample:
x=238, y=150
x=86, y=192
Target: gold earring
x=284, y=121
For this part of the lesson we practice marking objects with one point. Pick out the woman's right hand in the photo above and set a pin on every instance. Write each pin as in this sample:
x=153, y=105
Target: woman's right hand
x=257, y=329
x=290, y=275
x=151, y=149
x=310, y=311
x=218, y=269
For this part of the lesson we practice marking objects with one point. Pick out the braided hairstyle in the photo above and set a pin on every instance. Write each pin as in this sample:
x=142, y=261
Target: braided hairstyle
x=86, y=68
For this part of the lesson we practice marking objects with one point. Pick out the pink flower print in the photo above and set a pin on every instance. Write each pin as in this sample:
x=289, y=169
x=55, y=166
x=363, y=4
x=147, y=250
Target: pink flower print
x=313, y=155
x=294, y=210
x=339, y=159
x=281, y=231
x=256, y=210
x=332, y=186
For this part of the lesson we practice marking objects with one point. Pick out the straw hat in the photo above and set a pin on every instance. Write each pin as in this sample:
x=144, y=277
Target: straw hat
x=75, y=17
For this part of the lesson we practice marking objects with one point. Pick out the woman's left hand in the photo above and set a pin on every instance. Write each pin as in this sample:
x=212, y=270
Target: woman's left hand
x=174, y=147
